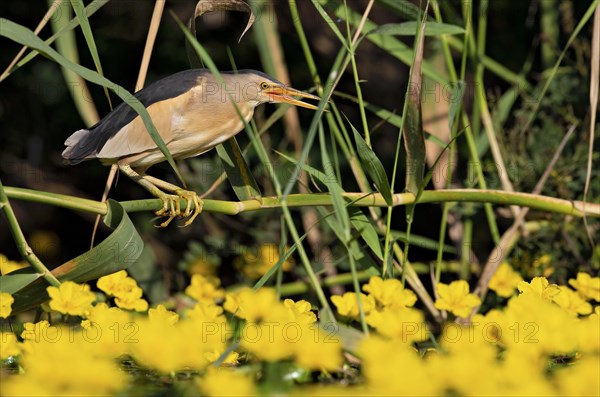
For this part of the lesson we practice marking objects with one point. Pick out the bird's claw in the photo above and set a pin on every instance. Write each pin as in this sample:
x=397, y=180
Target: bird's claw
x=190, y=197
x=172, y=207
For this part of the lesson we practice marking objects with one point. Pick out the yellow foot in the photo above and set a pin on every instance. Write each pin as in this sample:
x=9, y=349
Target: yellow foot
x=190, y=197
x=171, y=208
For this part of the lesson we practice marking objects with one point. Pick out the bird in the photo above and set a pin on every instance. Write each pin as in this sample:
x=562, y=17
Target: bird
x=193, y=111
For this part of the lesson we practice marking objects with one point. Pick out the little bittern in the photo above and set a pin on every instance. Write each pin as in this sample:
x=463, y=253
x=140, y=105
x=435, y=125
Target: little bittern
x=193, y=112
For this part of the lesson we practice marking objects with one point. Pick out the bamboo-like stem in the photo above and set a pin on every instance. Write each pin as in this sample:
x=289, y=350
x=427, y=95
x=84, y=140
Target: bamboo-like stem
x=499, y=197
x=159, y=6
x=22, y=245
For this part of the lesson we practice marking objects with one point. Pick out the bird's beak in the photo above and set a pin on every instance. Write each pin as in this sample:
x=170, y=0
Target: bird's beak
x=286, y=95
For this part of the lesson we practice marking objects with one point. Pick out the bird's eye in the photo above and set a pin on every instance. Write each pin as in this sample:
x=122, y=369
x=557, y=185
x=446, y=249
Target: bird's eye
x=264, y=85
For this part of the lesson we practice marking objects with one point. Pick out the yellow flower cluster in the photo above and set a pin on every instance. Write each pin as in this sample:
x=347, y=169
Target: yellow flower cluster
x=205, y=289
x=387, y=308
x=456, y=298
x=275, y=331
x=127, y=293
x=65, y=363
x=515, y=350
x=505, y=280
x=504, y=352
x=71, y=298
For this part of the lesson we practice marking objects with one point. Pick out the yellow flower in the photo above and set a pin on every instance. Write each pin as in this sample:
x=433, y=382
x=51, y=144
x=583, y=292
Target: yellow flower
x=8, y=345
x=505, y=280
x=581, y=378
x=41, y=331
x=115, y=284
x=226, y=382
x=204, y=312
x=67, y=366
x=6, y=301
x=201, y=266
x=127, y=293
x=380, y=362
x=522, y=374
x=205, y=288
x=347, y=304
x=8, y=266
x=110, y=328
x=132, y=300
x=103, y=314
x=163, y=315
x=167, y=348
x=254, y=266
x=206, y=340
x=390, y=292
x=313, y=348
x=539, y=286
x=456, y=298
x=465, y=370
x=572, y=302
x=250, y=305
x=588, y=333
x=406, y=325
x=543, y=261
x=160, y=347
x=71, y=298
x=537, y=326
x=300, y=311
x=587, y=286
x=270, y=340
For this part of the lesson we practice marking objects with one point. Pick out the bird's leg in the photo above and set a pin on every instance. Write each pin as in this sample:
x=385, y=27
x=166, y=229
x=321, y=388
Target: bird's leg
x=171, y=206
x=188, y=195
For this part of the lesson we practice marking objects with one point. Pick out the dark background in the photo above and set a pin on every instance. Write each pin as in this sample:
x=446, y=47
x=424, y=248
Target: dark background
x=37, y=113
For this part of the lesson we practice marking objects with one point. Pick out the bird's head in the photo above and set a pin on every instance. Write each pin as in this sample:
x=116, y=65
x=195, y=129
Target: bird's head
x=260, y=88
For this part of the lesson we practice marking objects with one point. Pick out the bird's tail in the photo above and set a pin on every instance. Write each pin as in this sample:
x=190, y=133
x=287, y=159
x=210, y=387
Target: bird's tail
x=76, y=150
